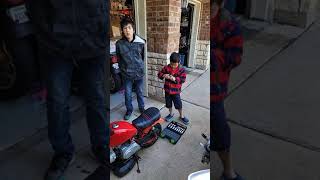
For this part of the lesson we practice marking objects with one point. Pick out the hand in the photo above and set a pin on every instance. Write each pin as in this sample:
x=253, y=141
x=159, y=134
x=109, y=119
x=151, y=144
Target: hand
x=172, y=78
x=166, y=76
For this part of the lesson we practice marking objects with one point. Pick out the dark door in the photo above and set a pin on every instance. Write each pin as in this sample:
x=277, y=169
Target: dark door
x=185, y=30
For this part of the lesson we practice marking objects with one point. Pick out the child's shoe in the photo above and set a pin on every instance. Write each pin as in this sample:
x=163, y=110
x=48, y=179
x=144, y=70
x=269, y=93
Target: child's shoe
x=185, y=120
x=169, y=117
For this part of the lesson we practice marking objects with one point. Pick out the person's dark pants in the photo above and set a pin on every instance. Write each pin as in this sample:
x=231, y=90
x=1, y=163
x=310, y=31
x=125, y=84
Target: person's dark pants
x=230, y=5
x=138, y=84
x=175, y=99
x=92, y=72
x=221, y=135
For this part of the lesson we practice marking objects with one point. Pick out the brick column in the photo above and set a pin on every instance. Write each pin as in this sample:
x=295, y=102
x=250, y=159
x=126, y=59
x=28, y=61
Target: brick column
x=163, y=31
x=203, y=41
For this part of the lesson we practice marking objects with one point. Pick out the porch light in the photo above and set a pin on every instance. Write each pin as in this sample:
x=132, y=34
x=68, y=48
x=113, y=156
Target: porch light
x=184, y=3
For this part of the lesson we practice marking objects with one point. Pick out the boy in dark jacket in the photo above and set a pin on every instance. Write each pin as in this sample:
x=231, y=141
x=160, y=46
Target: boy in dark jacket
x=130, y=51
x=174, y=76
x=226, y=43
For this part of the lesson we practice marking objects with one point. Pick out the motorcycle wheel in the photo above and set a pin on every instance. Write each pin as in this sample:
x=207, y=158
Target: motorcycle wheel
x=115, y=82
x=123, y=167
x=154, y=135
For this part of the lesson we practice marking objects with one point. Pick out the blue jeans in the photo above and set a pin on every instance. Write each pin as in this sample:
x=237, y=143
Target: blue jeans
x=138, y=84
x=93, y=75
x=221, y=135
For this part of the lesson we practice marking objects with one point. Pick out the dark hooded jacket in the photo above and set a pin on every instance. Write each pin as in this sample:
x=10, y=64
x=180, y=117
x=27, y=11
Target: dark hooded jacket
x=131, y=55
x=71, y=27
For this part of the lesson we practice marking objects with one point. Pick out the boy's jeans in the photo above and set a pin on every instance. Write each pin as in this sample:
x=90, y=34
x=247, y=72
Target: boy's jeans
x=138, y=84
x=92, y=72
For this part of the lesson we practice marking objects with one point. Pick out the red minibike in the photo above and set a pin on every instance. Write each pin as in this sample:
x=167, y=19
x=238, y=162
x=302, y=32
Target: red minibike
x=126, y=139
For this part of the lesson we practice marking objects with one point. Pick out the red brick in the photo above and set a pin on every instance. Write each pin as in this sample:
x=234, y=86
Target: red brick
x=204, y=33
x=164, y=26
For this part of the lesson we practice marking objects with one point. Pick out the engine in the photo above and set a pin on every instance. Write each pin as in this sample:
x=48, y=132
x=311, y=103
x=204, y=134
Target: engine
x=124, y=151
x=113, y=156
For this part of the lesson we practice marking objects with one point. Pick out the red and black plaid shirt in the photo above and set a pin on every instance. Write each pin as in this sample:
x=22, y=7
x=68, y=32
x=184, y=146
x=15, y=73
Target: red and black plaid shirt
x=173, y=87
x=226, y=46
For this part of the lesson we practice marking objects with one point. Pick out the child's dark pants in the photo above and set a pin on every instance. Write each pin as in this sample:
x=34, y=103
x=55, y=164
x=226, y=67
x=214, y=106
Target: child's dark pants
x=175, y=98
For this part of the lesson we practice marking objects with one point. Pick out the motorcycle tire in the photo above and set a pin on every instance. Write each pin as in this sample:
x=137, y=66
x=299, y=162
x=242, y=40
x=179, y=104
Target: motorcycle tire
x=121, y=168
x=101, y=173
x=152, y=136
x=115, y=82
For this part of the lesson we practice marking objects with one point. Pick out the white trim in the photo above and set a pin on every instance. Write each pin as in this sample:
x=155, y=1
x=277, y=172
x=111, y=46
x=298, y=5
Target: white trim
x=138, y=39
x=141, y=29
x=195, y=31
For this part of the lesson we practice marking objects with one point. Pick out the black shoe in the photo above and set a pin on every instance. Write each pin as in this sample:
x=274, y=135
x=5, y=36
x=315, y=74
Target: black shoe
x=58, y=166
x=238, y=177
x=127, y=115
x=102, y=154
x=141, y=110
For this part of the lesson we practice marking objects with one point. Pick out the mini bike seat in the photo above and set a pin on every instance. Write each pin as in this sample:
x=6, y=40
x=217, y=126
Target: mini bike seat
x=147, y=118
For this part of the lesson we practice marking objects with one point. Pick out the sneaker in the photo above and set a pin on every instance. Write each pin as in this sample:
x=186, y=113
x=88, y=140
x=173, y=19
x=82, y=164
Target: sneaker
x=58, y=166
x=101, y=154
x=169, y=117
x=127, y=116
x=185, y=120
x=238, y=177
x=141, y=110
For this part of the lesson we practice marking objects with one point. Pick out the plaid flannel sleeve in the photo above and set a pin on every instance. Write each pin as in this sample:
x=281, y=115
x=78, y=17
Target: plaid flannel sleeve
x=182, y=76
x=233, y=47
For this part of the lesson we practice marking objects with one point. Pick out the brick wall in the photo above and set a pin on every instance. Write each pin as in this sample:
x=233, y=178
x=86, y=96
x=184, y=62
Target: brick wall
x=163, y=25
x=155, y=63
x=204, y=29
x=203, y=54
x=163, y=31
x=203, y=40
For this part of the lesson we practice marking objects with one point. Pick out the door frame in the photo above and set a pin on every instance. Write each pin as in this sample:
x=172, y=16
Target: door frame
x=141, y=30
x=194, y=32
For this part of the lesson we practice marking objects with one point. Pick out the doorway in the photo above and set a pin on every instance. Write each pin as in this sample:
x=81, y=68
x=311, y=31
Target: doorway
x=185, y=31
x=189, y=28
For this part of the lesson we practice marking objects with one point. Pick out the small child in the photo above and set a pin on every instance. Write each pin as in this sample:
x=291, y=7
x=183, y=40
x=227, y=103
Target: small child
x=174, y=76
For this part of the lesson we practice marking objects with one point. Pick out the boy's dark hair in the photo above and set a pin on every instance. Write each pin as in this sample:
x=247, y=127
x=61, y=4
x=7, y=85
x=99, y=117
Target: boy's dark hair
x=219, y=2
x=175, y=57
x=125, y=21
